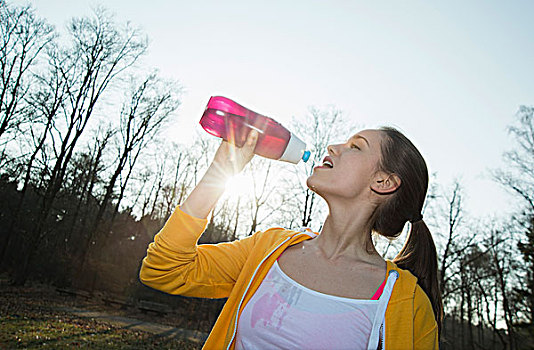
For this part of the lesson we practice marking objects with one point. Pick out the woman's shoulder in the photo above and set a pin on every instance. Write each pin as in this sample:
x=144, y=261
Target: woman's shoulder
x=407, y=287
x=278, y=234
x=406, y=281
x=410, y=313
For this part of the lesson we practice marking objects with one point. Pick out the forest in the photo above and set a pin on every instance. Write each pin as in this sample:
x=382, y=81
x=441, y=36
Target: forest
x=88, y=177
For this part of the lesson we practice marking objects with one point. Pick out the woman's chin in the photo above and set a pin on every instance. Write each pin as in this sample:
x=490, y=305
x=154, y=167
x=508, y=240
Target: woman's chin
x=312, y=184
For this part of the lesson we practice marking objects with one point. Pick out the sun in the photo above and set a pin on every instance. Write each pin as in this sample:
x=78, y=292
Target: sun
x=239, y=185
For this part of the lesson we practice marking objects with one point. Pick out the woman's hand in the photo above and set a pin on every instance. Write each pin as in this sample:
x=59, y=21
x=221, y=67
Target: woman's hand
x=229, y=160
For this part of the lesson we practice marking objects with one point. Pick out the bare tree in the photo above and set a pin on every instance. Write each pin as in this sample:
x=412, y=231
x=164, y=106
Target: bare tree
x=149, y=105
x=174, y=191
x=222, y=221
x=502, y=256
x=174, y=182
x=99, y=52
x=261, y=198
x=518, y=178
x=454, y=216
x=319, y=128
x=168, y=173
x=92, y=168
x=23, y=37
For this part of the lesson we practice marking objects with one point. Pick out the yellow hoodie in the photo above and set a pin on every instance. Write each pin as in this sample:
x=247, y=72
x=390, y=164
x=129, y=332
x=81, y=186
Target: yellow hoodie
x=177, y=265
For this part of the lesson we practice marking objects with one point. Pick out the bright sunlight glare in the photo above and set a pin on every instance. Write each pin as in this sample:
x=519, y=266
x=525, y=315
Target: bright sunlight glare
x=239, y=185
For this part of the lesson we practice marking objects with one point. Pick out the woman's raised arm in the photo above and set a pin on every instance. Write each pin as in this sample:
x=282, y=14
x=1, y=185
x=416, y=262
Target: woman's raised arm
x=228, y=160
x=174, y=263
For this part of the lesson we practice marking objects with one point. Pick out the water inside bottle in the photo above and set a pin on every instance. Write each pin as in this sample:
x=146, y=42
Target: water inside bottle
x=272, y=138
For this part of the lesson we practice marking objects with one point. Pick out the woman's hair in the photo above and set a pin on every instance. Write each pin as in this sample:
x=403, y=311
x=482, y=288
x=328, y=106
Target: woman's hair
x=400, y=157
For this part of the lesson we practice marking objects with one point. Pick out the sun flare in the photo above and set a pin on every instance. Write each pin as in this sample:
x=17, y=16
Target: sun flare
x=239, y=185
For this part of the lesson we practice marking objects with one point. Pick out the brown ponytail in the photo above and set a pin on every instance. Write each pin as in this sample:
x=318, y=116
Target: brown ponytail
x=418, y=255
x=399, y=156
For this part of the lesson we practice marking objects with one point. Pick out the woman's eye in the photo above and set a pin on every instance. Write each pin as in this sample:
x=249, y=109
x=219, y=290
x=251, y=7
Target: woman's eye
x=354, y=146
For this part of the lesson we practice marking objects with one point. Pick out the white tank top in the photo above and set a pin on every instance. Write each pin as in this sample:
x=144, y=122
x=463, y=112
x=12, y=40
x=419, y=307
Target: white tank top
x=284, y=314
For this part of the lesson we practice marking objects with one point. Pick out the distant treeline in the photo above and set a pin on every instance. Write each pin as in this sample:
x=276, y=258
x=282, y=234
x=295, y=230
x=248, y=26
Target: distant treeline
x=87, y=179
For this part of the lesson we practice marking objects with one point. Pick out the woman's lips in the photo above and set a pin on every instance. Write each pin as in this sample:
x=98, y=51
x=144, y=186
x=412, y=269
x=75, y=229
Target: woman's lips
x=328, y=163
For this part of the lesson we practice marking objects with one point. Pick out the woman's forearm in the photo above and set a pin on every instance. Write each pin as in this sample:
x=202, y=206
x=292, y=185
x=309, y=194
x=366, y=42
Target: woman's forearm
x=205, y=195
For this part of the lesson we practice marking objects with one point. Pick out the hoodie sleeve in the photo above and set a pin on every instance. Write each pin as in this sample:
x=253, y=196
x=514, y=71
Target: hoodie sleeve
x=425, y=326
x=175, y=264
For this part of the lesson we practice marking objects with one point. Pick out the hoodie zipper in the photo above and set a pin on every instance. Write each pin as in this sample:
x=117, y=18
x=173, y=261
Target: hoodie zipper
x=381, y=338
x=250, y=282
x=381, y=312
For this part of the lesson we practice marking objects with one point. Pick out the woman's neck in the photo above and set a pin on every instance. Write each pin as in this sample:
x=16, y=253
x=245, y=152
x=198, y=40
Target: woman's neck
x=346, y=235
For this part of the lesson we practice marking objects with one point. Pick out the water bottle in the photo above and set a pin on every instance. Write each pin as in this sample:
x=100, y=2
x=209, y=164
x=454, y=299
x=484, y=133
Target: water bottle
x=226, y=119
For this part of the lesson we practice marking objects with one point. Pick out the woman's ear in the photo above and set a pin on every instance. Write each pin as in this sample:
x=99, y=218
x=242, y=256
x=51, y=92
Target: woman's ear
x=384, y=183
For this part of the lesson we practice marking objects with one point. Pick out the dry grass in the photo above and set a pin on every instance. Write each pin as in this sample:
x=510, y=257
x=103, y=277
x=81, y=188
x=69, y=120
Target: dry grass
x=30, y=319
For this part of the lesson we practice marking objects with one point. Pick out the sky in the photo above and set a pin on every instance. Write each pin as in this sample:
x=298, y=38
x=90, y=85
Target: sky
x=451, y=75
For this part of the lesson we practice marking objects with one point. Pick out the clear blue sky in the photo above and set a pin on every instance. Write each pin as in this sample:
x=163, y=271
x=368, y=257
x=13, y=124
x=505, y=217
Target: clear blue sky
x=450, y=74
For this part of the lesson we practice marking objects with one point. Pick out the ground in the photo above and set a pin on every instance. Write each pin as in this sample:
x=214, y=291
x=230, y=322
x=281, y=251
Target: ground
x=38, y=317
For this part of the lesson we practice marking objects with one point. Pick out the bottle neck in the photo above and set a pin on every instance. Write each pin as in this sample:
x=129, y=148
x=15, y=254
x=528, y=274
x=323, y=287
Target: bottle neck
x=294, y=151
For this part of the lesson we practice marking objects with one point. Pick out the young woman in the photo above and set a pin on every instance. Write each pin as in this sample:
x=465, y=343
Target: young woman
x=303, y=290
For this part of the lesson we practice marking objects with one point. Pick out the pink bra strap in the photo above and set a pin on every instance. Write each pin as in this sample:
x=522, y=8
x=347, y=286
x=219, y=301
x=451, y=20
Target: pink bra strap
x=379, y=291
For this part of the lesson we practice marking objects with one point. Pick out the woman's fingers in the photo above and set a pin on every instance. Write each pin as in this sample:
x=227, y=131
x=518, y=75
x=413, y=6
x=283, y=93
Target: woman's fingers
x=250, y=144
x=231, y=159
x=245, y=153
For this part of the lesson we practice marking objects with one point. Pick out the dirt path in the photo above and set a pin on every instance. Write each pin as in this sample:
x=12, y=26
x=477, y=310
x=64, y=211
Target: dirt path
x=138, y=325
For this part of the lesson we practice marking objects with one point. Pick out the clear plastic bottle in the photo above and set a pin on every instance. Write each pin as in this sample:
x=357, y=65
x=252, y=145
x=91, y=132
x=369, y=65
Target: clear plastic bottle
x=229, y=120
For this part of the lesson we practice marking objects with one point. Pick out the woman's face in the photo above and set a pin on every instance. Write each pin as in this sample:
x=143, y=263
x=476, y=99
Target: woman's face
x=350, y=168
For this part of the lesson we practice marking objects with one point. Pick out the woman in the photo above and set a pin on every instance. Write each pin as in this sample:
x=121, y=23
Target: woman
x=302, y=290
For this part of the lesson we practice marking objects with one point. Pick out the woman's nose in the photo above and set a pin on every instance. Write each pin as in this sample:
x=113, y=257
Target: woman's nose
x=332, y=149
